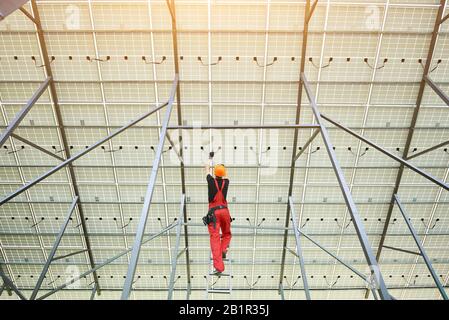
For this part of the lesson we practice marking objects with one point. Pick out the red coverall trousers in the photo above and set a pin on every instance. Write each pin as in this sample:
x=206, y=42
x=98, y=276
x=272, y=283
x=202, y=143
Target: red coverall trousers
x=219, y=245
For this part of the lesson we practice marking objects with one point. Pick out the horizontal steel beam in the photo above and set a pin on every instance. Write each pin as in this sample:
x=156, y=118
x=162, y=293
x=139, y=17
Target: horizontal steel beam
x=389, y=154
x=174, y=148
x=274, y=288
x=379, y=283
x=444, y=19
x=28, y=15
x=391, y=262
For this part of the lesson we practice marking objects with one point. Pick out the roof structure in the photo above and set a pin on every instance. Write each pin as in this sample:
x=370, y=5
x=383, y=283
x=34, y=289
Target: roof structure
x=285, y=92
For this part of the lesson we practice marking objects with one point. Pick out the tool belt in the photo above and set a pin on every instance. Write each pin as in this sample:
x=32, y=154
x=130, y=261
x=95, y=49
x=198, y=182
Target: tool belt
x=210, y=217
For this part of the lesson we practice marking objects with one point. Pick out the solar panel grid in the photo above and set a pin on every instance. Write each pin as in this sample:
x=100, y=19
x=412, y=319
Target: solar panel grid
x=229, y=95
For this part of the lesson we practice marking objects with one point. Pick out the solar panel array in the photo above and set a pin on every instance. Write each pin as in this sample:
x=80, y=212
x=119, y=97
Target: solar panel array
x=239, y=65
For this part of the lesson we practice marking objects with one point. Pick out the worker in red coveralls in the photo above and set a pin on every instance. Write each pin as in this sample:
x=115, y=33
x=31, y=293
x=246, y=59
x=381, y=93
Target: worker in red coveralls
x=218, y=217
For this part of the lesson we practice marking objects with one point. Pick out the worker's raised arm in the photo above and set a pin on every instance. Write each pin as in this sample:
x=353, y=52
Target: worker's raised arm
x=207, y=169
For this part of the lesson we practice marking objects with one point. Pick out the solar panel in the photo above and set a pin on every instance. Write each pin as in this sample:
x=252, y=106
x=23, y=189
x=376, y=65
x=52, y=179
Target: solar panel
x=239, y=65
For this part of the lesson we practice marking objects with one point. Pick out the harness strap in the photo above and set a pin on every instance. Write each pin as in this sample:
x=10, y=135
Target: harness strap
x=222, y=185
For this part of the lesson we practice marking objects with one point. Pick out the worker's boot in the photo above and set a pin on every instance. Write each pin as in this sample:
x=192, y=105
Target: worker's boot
x=216, y=273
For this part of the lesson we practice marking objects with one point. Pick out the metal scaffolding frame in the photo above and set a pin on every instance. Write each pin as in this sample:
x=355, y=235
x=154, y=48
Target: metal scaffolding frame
x=299, y=254
x=50, y=84
x=357, y=221
x=9, y=285
x=422, y=252
x=172, y=9
x=176, y=253
x=8, y=7
x=375, y=280
x=148, y=197
x=308, y=13
x=20, y=115
x=424, y=80
x=51, y=257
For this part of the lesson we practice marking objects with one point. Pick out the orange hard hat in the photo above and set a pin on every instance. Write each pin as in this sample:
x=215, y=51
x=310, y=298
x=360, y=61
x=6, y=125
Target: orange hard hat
x=220, y=170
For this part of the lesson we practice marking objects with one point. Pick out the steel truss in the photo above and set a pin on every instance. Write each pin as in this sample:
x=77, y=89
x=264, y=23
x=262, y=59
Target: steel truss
x=374, y=280
x=421, y=253
x=9, y=285
x=51, y=257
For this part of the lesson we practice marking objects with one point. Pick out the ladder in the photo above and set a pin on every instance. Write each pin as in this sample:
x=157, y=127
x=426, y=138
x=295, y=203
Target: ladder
x=215, y=282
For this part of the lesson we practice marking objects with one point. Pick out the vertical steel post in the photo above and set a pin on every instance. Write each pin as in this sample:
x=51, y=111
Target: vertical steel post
x=76, y=156
x=420, y=247
x=57, y=111
x=148, y=197
x=298, y=249
x=437, y=90
x=174, y=259
x=305, y=34
x=411, y=131
x=54, y=248
x=23, y=112
x=172, y=8
x=358, y=224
